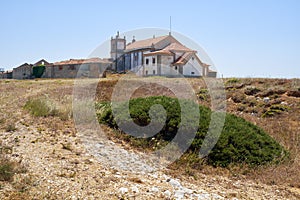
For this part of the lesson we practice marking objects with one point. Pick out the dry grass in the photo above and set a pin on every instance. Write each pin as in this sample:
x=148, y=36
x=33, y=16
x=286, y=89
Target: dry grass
x=284, y=127
x=248, y=103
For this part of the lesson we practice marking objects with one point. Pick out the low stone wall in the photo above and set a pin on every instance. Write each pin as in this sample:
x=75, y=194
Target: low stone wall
x=90, y=70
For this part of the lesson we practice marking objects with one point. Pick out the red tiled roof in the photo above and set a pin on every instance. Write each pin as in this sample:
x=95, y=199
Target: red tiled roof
x=159, y=52
x=182, y=60
x=147, y=43
x=178, y=47
x=82, y=61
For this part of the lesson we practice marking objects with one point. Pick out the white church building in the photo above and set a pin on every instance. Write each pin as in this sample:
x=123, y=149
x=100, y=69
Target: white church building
x=157, y=56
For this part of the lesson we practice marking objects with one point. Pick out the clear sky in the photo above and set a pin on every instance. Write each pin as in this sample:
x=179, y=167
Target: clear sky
x=257, y=38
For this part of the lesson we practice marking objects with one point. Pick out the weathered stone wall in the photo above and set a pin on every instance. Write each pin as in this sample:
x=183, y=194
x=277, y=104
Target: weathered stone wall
x=22, y=72
x=61, y=71
x=212, y=74
x=5, y=75
x=90, y=70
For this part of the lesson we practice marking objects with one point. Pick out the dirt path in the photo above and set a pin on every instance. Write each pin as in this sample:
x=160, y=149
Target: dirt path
x=64, y=165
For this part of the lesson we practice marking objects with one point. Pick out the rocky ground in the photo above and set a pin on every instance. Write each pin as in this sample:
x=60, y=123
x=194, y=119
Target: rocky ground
x=62, y=164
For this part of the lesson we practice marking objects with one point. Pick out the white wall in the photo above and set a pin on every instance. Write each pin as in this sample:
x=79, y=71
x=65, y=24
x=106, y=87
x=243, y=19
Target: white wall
x=166, y=68
x=192, y=68
x=150, y=67
x=140, y=58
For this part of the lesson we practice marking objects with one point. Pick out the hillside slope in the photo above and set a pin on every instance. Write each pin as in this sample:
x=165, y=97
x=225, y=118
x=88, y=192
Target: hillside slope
x=58, y=165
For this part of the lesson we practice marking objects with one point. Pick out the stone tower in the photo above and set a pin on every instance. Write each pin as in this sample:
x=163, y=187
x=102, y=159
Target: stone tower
x=117, y=46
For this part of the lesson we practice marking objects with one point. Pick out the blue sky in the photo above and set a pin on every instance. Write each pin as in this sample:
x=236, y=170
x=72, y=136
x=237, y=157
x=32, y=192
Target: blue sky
x=259, y=38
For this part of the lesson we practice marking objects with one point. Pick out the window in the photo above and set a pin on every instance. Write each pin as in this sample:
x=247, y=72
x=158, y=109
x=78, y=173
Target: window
x=135, y=56
x=60, y=67
x=153, y=71
x=153, y=60
x=193, y=58
x=72, y=67
x=147, y=61
x=146, y=72
x=176, y=67
x=192, y=72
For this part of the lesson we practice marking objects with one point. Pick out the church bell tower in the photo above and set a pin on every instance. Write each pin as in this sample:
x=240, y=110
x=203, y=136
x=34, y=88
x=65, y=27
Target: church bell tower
x=117, y=47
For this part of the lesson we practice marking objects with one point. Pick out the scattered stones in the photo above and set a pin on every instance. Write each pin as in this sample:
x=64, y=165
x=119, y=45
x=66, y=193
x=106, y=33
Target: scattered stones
x=175, y=183
x=167, y=193
x=135, y=189
x=179, y=194
x=104, y=170
x=154, y=189
x=123, y=190
x=266, y=99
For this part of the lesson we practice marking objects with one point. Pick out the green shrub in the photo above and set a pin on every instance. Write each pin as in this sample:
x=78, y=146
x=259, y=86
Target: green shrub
x=232, y=80
x=9, y=168
x=10, y=127
x=203, y=94
x=240, y=141
x=41, y=107
x=294, y=93
x=38, y=71
x=238, y=97
x=6, y=170
x=139, y=113
x=275, y=110
x=251, y=90
x=44, y=107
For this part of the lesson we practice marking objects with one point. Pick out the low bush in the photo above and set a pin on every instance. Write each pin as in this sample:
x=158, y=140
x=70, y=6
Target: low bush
x=251, y=90
x=10, y=127
x=9, y=168
x=203, y=94
x=44, y=107
x=6, y=169
x=275, y=110
x=271, y=92
x=238, y=97
x=294, y=93
x=41, y=107
x=240, y=141
x=232, y=80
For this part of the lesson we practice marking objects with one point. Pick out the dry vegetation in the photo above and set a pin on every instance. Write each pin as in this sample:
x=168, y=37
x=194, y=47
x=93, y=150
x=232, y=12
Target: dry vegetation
x=272, y=104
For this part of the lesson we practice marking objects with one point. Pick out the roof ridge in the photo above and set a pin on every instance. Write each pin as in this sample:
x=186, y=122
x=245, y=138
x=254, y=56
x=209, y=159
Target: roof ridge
x=145, y=43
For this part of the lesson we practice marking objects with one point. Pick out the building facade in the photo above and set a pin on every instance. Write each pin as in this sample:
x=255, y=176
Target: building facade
x=24, y=71
x=158, y=56
x=6, y=74
x=91, y=68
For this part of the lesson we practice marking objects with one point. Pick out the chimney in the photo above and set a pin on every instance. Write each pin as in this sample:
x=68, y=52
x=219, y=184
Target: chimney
x=133, y=39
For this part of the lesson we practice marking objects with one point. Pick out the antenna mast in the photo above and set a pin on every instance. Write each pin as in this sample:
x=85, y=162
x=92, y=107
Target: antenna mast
x=170, y=25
